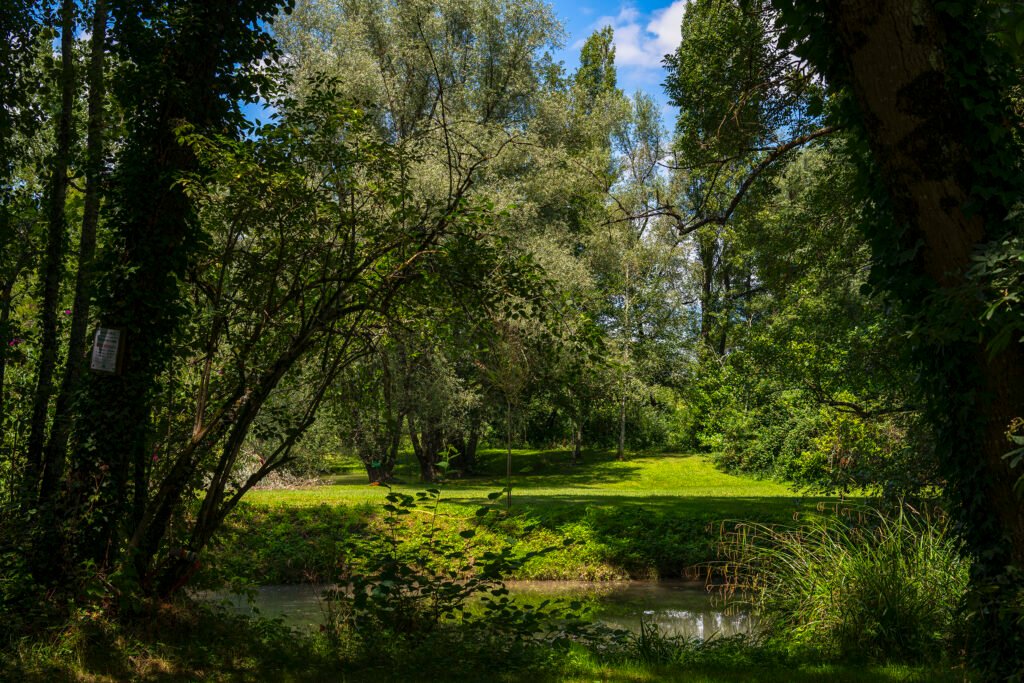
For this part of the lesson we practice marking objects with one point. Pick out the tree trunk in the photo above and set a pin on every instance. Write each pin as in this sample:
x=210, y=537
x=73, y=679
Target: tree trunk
x=577, y=441
x=891, y=52
x=508, y=459
x=627, y=340
x=472, y=442
x=423, y=451
x=5, y=318
x=53, y=268
x=380, y=474
x=56, y=448
x=188, y=56
x=706, y=253
x=621, y=455
x=396, y=443
x=919, y=132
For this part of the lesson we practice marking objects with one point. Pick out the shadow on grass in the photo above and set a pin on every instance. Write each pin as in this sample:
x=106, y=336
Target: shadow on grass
x=530, y=468
x=576, y=504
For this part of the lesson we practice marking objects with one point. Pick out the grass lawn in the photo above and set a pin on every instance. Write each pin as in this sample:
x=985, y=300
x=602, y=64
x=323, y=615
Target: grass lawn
x=652, y=515
x=547, y=479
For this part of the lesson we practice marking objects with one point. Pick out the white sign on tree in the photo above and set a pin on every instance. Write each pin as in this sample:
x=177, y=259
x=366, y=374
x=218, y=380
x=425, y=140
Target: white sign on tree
x=106, y=351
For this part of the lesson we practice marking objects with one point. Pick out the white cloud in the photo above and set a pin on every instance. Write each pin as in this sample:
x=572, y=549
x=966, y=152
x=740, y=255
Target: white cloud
x=643, y=39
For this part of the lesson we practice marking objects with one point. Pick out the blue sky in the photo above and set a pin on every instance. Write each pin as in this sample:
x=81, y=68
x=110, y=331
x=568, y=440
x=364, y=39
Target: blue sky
x=645, y=30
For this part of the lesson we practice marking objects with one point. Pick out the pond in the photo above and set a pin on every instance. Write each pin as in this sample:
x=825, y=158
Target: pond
x=678, y=608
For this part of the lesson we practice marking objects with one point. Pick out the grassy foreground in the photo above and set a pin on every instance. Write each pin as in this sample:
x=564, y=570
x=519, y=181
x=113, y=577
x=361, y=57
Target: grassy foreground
x=184, y=642
x=650, y=516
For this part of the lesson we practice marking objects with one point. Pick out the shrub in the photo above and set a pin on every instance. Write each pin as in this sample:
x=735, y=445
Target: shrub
x=421, y=587
x=857, y=585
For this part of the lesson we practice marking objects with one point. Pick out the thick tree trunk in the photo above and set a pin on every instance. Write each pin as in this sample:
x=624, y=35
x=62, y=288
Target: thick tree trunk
x=919, y=133
x=381, y=474
x=53, y=268
x=916, y=131
x=56, y=448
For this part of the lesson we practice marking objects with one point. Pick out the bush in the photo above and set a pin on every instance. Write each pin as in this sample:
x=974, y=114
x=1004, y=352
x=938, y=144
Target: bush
x=859, y=585
x=421, y=587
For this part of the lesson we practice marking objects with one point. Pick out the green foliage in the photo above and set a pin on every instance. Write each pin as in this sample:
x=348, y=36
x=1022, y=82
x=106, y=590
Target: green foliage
x=275, y=545
x=596, y=75
x=860, y=585
x=419, y=584
x=179, y=641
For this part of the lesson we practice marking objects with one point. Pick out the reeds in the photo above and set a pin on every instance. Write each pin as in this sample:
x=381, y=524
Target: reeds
x=856, y=584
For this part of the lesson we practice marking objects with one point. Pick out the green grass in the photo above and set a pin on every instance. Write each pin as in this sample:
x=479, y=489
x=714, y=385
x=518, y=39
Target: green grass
x=183, y=642
x=582, y=667
x=652, y=515
x=548, y=478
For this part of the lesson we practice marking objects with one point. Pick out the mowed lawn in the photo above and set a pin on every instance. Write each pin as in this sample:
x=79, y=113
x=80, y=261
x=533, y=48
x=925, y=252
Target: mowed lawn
x=652, y=515
x=547, y=486
x=547, y=480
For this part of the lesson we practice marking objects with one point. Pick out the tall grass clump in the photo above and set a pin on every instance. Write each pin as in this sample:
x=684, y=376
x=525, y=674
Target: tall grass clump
x=857, y=585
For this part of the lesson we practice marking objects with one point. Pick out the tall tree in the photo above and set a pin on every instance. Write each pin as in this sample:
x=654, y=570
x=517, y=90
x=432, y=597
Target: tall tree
x=928, y=88
x=596, y=76
x=56, y=243
x=56, y=447
x=926, y=91
x=184, y=63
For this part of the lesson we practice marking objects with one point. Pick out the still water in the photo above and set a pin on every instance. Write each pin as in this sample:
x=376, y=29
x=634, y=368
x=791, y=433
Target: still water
x=678, y=608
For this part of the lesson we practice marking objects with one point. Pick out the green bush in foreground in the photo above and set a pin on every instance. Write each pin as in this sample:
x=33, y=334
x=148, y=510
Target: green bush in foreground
x=860, y=585
x=417, y=588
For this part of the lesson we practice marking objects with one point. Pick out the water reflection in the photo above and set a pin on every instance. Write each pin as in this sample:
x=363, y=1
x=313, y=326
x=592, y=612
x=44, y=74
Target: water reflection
x=678, y=608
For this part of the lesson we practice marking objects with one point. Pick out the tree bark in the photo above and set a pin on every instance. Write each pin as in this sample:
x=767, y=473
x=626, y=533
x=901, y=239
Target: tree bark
x=577, y=441
x=425, y=452
x=621, y=454
x=917, y=136
x=56, y=448
x=472, y=443
x=5, y=318
x=919, y=132
x=508, y=459
x=53, y=269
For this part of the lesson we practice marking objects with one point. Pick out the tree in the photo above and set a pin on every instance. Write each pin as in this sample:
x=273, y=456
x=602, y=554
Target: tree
x=56, y=243
x=56, y=447
x=180, y=66
x=929, y=91
x=926, y=91
x=596, y=76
